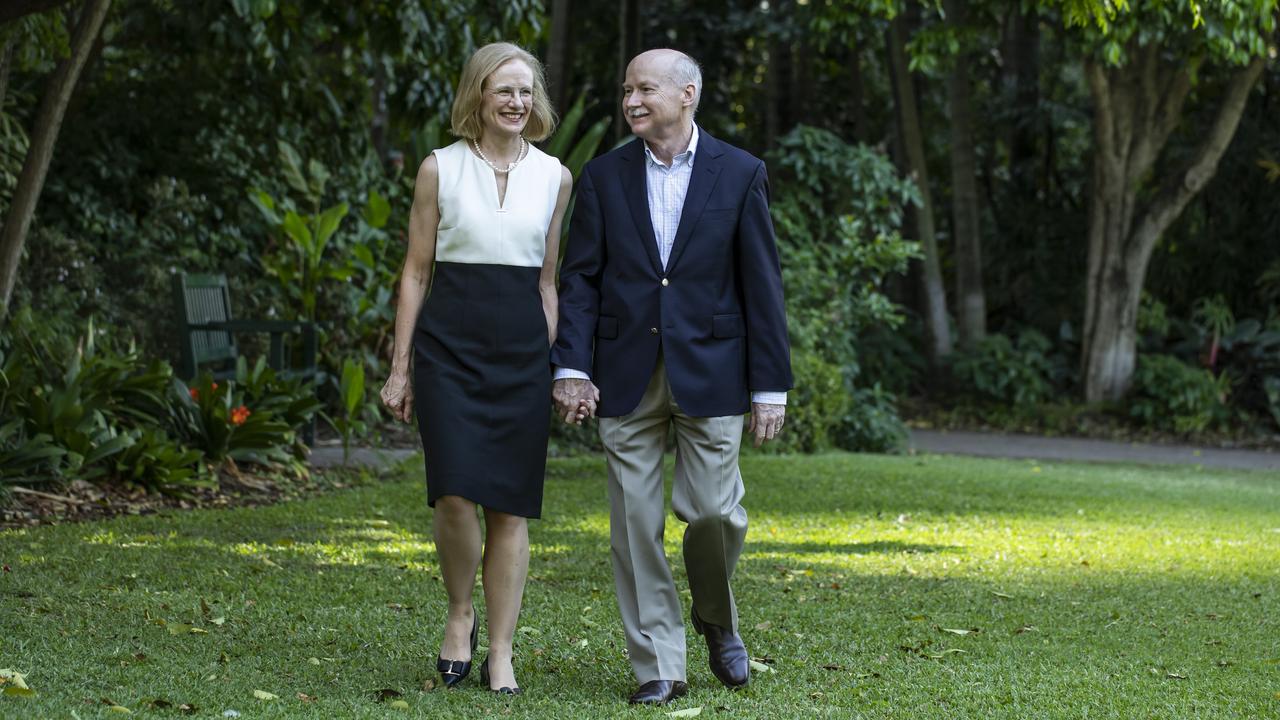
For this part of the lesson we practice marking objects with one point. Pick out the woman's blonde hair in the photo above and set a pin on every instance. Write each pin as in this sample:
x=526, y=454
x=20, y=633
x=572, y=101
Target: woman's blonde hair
x=465, y=117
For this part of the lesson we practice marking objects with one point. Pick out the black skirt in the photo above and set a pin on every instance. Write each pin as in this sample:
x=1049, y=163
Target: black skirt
x=482, y=386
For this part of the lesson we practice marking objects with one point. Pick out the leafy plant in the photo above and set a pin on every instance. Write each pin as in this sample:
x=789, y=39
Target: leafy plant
x=999, y=370
x=1169, y=394
x=1213, y=316
x=300, y=265
x=348, y=422
x=814, y=408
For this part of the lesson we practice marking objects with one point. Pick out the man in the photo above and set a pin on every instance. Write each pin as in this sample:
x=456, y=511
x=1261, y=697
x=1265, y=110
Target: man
x=671, y=313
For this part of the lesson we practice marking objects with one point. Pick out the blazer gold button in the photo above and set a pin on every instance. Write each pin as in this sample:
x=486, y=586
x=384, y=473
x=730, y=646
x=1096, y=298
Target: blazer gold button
x=665, y=282
x=653, y=331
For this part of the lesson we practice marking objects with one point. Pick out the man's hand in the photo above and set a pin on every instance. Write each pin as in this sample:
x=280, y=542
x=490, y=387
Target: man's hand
x=575, y=399
x=766, y=421
x=397, y=396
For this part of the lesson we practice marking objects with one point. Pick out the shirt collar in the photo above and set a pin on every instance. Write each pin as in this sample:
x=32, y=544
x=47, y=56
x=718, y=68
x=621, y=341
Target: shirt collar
x=689, y=153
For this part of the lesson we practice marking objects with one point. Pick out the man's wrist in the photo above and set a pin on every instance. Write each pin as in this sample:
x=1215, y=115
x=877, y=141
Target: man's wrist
x=562, y=373
x=768, y=397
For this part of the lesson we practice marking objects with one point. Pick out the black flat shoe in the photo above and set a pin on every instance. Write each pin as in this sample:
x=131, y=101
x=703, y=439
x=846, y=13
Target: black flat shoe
x=726, y=654
x=484, y=678
x=453, y=672
x=658, y=692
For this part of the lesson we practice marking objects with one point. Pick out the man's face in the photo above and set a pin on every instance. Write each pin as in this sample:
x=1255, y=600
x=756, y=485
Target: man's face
x=651, y=101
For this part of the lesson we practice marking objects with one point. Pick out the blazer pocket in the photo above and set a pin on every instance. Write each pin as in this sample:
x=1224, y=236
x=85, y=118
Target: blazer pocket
x=607, y=327
x=727, y=326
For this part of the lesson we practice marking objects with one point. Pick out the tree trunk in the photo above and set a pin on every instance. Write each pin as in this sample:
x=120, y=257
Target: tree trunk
x=1136, y=108
x=935, y=297
x=44, y=136
x=558, y=55
x=972, y=302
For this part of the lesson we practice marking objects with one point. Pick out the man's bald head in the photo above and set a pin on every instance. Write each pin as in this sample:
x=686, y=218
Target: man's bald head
x=674, y=66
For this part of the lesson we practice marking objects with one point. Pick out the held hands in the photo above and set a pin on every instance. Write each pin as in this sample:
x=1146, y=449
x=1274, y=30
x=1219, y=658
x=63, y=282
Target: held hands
x=575, y=399
x=766, y=421
x=397, y=396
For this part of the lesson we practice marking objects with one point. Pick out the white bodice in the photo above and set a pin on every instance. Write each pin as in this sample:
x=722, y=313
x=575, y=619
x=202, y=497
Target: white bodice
x=474, y=228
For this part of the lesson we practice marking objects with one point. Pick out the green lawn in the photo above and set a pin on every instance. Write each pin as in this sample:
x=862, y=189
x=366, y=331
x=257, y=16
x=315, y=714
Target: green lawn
x=876, y=587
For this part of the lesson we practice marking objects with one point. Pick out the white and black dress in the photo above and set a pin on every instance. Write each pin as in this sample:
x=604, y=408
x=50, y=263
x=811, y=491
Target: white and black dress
x=482, y=373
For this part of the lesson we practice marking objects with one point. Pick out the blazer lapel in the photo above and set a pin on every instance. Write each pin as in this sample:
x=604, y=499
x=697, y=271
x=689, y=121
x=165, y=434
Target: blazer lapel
x=637, y=192
x=706, y=171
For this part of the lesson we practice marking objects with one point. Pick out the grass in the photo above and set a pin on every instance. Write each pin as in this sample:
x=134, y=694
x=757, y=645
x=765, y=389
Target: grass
x=874, y=587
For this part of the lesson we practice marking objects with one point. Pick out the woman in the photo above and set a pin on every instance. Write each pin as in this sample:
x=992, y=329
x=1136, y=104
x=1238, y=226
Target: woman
x=486, y=214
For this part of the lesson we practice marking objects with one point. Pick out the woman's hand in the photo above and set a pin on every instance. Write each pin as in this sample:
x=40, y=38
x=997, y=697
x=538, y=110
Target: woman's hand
x=397, y=396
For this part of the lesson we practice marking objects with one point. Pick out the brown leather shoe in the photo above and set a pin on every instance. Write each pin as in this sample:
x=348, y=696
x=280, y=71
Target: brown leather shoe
x=659, y=692
x=726, y=654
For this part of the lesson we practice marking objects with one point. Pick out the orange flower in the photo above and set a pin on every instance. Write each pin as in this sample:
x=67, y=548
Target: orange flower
x=239, y=415
x=195, y=394
x=213, y=386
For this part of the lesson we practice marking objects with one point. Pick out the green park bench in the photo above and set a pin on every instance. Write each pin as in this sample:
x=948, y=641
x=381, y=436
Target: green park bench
x=208, y=329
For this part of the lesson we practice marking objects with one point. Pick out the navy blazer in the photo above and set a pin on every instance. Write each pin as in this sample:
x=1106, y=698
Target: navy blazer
x=716, y=313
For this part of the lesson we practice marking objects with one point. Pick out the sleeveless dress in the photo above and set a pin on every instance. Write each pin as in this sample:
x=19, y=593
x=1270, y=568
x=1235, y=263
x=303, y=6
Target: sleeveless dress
x=482, y=369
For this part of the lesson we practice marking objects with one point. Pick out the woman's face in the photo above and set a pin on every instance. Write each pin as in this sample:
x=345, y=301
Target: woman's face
x=508, y=99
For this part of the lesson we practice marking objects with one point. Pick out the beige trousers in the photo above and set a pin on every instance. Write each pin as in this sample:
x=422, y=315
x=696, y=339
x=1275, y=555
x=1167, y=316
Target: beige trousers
x=706, y=496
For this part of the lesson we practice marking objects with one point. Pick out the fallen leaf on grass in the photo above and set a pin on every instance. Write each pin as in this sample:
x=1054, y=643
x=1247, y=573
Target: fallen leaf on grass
x=11, y=679
x=428, y=685
x=764, y=625
x=12, y=691
x=1026, y=628
x=689, y=712
x=306, y=698
x=960, y=631
x=398, y=704
x=948, y=651
x=159, y=703
x=264, y=695
x=313, y=661
x=1175, y=676
x=218, y=620
x=1005, y=596
x=832, y=667
x=761, y=667
x=120, y=709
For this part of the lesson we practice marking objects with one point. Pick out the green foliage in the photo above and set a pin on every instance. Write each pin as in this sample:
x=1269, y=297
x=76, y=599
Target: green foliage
x=1169, y=394
x=572, y=148
x=348, y=422
x=1251, y=359
x=252, y=418
x=85, y=408
x=872, y=423
x=815, y=408
x=837, y=211
x=998, y=370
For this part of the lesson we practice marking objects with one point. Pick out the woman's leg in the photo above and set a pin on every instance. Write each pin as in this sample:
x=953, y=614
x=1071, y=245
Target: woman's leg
x=457, y=535
x=506, y=564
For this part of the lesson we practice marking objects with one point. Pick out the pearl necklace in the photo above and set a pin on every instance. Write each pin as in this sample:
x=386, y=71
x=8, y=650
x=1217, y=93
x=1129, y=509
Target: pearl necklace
x=512, y=166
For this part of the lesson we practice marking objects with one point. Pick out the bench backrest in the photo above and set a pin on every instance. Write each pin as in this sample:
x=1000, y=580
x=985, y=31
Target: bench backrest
x=201, y=299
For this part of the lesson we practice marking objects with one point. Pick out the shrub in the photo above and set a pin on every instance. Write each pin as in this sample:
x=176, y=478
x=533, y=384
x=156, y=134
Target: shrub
x=814, y=409
x=871, y=423
x=1169, y=394
x=1002, y=371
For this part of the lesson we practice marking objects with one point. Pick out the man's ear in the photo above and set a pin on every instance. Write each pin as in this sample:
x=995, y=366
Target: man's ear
x=689, y=95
